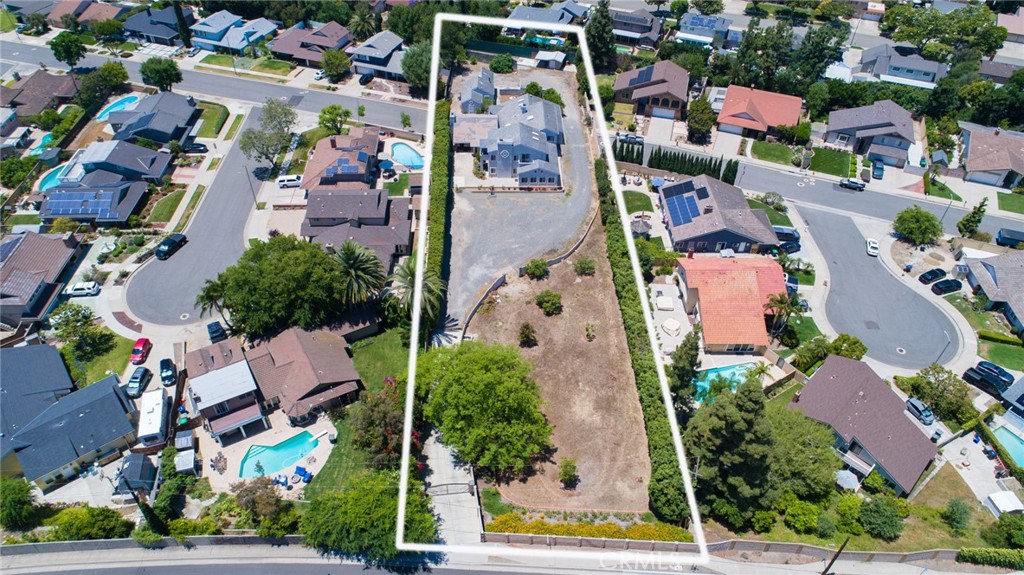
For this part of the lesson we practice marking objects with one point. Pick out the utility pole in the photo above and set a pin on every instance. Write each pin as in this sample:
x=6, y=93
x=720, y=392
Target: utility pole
x=248, y=178
x=835, y=557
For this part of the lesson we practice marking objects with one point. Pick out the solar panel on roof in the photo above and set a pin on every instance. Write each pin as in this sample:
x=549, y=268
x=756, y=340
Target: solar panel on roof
x=644, y=76
x=687, y=186
x=702, y=193
x=677, y=211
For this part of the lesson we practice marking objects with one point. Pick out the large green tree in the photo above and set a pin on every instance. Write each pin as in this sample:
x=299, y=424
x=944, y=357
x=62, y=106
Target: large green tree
x=803, y=461
x=183, y=30
x=486, y=406
x=416, y=65
x=682, y=374
x=335, y=64
x=160, y=72
x=944, y=391
x=17, y=504
x=68, y=48
x=821, y=46
x=362, y=23
x=917, y=226
x=968, y=225
x=362, y=273
x=361, y=519
x=762, y=54
x=700, y=118
x=402, y=288
x=273, y=135
x=708, y=7
x=75, y=325
x=333, y=117
x=601, y=38
x=98, y=85
x=279, y=283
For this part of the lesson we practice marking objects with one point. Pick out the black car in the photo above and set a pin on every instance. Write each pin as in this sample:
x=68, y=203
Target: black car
x=790, y=247
x=978, y=379
x=137, y=384
x=196, y=148
x=851, y=184
x=170, y=245
x=931, y=275
x=995, y=374
x=168, y=373
x=946, y=286
x=216, y=331
x=365, y=79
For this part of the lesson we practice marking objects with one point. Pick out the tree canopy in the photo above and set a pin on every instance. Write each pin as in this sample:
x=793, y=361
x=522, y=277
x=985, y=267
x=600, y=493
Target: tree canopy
x=335, y=64
x=803, y=461
x=68, y=48
x=416, y=65
x=17, y=504
x=917, y=226
x=160, y=72
x=333, y=117
x=274, y=133
x=601, y=38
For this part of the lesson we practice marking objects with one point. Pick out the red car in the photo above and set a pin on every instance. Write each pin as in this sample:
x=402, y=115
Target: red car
x=141, y=350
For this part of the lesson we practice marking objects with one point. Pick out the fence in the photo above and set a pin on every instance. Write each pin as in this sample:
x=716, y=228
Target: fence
x=484, y=47
x=502, y=280
x=115, y=544
x=570, y=251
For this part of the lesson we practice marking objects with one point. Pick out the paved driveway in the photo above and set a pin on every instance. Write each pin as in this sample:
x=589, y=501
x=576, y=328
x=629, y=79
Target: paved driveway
x=866, y=301
x=164, y=292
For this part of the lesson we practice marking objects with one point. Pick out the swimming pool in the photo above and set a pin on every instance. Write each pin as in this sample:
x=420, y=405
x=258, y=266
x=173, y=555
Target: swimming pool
x=50, y=179
x=733, y=373
x=548, y=41
x=38, y=148
x=404, y=154
x=117, y=106
x=1013, y=444
x=276, y=458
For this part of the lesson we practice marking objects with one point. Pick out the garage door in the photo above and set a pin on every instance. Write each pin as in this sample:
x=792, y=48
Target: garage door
x=663, y=112
x=729, y=128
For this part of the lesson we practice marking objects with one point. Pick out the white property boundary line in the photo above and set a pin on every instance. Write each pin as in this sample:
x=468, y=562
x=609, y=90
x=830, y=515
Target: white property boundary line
x=622, y=557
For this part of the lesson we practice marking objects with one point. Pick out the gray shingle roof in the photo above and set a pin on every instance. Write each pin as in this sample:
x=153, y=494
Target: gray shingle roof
x=992, y=149
x=380, y=45
x=216, y=22
x=164, y=113
x=885, y=55
x=883, y=114
x=535, y=112
x=32, y=378
x=722, y=207
x=540, y=15
x=75, y=425
x=476, y=88
x=1002, y=278
x=157, y=23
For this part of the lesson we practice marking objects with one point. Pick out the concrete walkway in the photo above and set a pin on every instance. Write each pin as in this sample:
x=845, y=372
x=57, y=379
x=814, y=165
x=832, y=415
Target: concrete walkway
x=460, y=521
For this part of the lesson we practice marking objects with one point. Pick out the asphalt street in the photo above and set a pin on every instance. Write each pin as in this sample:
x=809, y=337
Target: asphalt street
x=898, y=325
x=236, y=88
x=164, y=292
x=328, y=568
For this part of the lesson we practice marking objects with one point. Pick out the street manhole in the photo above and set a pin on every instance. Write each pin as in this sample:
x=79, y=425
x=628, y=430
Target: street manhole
x=901, y=351
x=183, y=316
x=871, y=325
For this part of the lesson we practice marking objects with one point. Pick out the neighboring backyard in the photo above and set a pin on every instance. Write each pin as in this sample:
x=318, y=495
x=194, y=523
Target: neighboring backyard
x=831, y=162
x=1005, y=354
x=397, y=187
x=637, y=202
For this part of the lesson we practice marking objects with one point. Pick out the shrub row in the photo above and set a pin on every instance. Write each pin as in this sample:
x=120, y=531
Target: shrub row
x=629, y=153
x=667, y=498
x=1008, y=558
x=683, y=163
x=514, y=523
x=997, y=337
x=440, y=190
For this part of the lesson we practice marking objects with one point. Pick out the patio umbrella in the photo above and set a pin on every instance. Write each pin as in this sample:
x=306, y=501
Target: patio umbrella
x=386, y=164
x=671, y=326
x=658, y=182
x=847, y=480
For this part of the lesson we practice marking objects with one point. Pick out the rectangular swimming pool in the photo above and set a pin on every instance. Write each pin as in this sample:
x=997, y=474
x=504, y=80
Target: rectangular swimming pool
x=1013, y=444
x=734, y=373
x=269, y=459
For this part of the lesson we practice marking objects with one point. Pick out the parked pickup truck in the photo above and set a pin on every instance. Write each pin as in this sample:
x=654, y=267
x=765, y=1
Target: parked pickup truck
x=1010, y=238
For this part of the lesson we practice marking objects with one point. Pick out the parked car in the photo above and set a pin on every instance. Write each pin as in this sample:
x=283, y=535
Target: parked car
x=292, y=181
x=852, y=184
x=140, y=351
x=946, y=287
x=1009, y=238
x=320, y=75
x=918, y=409
x=790, y=247
x=168, y=373
x=803, y=305
x=792, y=284
x=872, y=247
x=196, y=148
x=786, y=233
x=365, y=79
x=170, y=245
x=995, y=373
x=137, y=384
x=931, y=275
x=82, y=289
x=216, y=331
x=877, y=170
x=193, y=51
x=979, y=380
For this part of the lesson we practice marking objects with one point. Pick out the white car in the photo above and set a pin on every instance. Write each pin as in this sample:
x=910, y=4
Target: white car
x=320, y=75
x=872, y=248
x=83, y=289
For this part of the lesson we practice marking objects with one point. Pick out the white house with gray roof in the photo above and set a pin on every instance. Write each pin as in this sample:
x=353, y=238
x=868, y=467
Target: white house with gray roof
x=884, y=63
x=536, y=113
x=883, y=131
x=380, y=55
x=519, y=152
x=226, y=31
x=477, y=92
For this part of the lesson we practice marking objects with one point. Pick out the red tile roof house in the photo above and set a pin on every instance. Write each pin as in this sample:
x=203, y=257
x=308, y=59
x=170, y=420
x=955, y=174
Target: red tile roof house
x=727, y=296
x=307, y=44
x=747, y=111
x=873, y=430
x=304, y=372
x=660, y=90
x=222, y=389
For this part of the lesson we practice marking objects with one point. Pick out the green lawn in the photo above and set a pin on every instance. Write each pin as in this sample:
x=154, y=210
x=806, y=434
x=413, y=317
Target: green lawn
x=217, y=60
x=7, y=21
x=397, y=187
x=658, y=242
x=164, y=209
x=493, y=504
x=87, y=38
x=344, y=461
x=940, y=190
x=977, y=319
x=128, y=46
x=770, y=152
x=235, y=123
x=308, y=139
x=1011, y=202
x=213, y=117
x=1006, y=355
x=379, y=357
x=787, y=395
x=775, y=217
x=213, y=164
x=831, y=162
x=1010, y=356
x=805, y=328
x=805, y=278
x=191, y=207
x=278, y=67
x=115, y=360
x=637, y=202
x=23, y=220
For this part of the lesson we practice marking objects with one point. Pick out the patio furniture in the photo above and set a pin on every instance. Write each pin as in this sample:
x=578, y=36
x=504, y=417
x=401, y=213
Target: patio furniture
x=296, y=479
x=305, y=475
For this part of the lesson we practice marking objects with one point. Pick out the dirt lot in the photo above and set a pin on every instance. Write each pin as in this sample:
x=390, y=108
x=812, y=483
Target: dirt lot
x=93, y=132
x=588, y=389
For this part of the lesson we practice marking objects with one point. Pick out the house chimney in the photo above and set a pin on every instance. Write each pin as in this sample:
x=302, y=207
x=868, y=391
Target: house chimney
x=334, y=142
x=996, y=132
x=148, y=13
x=709, y=208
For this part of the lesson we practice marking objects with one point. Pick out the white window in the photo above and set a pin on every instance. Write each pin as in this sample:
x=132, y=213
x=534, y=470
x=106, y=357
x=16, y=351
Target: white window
x=221, y=408
x=843, y=139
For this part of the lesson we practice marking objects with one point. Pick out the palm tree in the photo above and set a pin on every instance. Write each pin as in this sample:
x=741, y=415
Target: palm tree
x=403, y=284
x=362, y=23
x=211, y=298
x=362, y=270
x=758, y=372
x=782, y=306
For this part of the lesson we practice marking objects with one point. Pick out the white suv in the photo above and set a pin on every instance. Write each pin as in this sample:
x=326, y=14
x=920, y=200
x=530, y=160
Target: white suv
x=83, y=289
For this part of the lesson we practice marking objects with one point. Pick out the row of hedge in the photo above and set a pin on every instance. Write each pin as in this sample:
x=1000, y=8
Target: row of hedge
x=1008, y=558
x=997, y=337
x=514, y=523
x=440, y=190
x=666, y=494
x=683, y=163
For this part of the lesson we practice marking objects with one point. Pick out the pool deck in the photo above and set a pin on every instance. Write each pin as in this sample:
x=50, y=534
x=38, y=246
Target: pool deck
x=399, y=166
x=278, y=432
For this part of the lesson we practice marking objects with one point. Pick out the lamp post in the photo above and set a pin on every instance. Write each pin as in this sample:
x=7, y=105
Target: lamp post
x=948, y=343
x=946, y=211
x=248, y=177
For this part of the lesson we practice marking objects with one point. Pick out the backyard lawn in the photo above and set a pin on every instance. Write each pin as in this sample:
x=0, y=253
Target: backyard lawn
x=623, y=115
x=397, y=187
x=235, y=123
x=637, y=202
x=213, y=117
x=164, y=209
x=775, y=217
x=787, y=395
x=831, y=162
x=770, y=152
x=279, y=67
x=308, y=139
x=7, y=21
x=115, y=360
x=1011, y=202
x=1010, y=356
x=23, y=220
x=217, y=60
x=344, y=461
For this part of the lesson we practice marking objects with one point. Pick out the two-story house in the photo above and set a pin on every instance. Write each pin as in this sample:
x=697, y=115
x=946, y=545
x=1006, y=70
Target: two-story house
x=883, y=131
x=533, y=112
x=886, y=64
x=636, y=28
x=306, y=43
x=342, y=162
x=477, y=92
x=517, y=151
x=380, y=56
x=33, y=270
x=222, y=389
x=660, y=90
x=696, y=28
x=224, y=31
x=157, y=26
x=368, y=217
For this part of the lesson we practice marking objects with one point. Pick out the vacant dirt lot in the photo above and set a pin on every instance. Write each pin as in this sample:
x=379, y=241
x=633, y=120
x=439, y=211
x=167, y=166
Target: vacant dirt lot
x=587, y=386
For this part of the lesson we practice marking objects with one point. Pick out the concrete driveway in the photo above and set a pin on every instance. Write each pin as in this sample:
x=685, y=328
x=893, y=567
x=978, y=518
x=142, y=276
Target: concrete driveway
x=900, y=327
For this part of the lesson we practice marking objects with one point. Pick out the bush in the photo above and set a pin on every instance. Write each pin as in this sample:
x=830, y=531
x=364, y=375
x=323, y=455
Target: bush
x=802, y=517
x=848, y=512
x=146, y=537
x=584, y=266
x=881, y=519
x=139, y=241
x=503, y=64
x=957, y=516
x=440, y=190
x=775, y=201
x=789, y=337
x=537, y=269
x=763, y=521
x=1007, y=558
x=1008, y=532
x=550, y=302
x=514, y=523
x=527, y=335
x=17, y=504
x=997, y=337
x=567, y=472
x=875, y=483
x=826, y=527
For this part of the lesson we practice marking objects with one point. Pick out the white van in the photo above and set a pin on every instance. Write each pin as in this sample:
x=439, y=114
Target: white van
x=289, y=181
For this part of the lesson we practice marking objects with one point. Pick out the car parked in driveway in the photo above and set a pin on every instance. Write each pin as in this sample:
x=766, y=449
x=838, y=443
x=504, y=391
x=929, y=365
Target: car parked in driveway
x=792, y=284
x=140, y=351
x=918, y=409
x=790, y=247
x=995, y=373
x=877, y=170
x=365, y=79
x=216, y=332
x=786, y=233
x=871, y=246
x=320, y=75
x=196, y=148
x=974, y=377
x=946, y=287
x=168, y=373
x=193, y=50
x=137, y=384
x=931, y=275
x=83, y=289
x=852, y=184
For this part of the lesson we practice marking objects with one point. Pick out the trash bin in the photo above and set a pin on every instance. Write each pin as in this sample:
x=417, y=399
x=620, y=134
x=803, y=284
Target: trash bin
x=908, y=267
